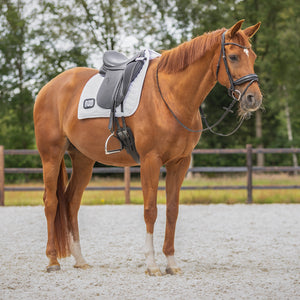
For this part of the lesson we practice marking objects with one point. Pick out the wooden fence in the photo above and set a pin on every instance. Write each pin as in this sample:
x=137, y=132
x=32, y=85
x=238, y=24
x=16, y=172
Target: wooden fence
x=249, y=169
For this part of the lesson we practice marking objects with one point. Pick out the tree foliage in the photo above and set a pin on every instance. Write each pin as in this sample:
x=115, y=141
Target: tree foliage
x=16, y=125
x=41, y=38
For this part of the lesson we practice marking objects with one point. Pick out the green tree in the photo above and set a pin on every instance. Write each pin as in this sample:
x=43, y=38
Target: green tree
x=277, y=47
x=57, y=40
x=40, y=39
x=16, y=125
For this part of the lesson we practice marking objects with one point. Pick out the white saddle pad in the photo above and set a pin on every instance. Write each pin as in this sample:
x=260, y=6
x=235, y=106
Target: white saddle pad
x=88, y=108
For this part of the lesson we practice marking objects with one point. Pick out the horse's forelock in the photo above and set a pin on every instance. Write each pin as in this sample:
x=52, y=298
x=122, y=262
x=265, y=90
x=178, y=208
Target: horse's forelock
x=241, y=38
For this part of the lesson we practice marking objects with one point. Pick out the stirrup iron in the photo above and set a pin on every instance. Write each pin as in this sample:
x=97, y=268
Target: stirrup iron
x=112, y=151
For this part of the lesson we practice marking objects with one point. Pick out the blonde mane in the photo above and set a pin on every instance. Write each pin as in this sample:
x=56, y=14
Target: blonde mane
x=177, y=59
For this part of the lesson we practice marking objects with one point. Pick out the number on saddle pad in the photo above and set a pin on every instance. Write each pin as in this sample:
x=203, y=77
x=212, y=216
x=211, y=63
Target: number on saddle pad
x=118, y=72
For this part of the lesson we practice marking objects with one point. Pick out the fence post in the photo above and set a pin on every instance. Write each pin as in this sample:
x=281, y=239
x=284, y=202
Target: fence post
x=127, y=184
x=249, y=173
x=1, y=175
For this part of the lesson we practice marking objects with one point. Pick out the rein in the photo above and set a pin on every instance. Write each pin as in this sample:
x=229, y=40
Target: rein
x=231, y=92
x=227, y=110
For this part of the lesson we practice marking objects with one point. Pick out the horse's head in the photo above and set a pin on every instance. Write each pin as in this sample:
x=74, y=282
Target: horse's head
x=235, y=68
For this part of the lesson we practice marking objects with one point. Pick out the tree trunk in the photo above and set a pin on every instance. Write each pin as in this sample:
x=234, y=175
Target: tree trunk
x=258, y=128
x=290, y=134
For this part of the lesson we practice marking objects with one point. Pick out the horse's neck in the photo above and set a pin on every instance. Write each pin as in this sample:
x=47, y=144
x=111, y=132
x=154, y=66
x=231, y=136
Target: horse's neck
x=188, y=89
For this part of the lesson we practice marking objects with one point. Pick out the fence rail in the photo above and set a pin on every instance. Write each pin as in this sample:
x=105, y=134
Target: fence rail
x=249, y=169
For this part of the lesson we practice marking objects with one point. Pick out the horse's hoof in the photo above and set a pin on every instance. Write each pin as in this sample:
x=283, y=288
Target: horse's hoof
x=153, y=272
x=83, y=267
x=53, y=268
x=173, y=271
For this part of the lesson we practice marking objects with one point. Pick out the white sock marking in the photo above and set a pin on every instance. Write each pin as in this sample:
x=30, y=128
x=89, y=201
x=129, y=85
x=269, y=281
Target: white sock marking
x=149, y=251
x=171, y=263
x=76, y=252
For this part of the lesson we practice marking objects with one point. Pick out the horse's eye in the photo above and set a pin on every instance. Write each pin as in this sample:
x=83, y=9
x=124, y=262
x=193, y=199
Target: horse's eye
x=233, y=58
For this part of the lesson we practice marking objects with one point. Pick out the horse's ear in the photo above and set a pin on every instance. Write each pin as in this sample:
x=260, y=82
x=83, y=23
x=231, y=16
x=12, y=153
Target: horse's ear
x=234, y=29
x=250, y=31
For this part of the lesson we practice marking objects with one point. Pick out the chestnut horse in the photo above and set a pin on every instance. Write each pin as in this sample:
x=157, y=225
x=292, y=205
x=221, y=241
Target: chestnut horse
x=185, y=74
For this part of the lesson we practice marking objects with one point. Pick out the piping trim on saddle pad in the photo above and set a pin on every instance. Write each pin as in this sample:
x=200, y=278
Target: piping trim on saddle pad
x=88, y=108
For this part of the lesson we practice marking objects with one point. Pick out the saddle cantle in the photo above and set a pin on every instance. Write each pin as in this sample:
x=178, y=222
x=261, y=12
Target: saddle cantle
x=112, y=60
x=118, y=72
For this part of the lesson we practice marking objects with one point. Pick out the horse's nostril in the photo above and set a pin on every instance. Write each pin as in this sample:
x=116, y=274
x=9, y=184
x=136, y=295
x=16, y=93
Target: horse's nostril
x=250, y=99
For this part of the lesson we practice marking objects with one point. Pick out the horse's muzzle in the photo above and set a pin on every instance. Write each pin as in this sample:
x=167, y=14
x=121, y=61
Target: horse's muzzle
x=251, y=102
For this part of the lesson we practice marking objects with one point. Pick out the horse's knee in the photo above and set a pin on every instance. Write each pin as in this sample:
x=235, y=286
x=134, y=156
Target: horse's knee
x=172, y=214
x=150, y=215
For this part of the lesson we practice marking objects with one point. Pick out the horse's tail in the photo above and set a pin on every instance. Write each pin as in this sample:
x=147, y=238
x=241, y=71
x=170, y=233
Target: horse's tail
x=61, y=222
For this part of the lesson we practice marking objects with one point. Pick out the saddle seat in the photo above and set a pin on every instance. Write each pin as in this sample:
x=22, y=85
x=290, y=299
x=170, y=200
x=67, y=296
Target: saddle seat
x=113, y=60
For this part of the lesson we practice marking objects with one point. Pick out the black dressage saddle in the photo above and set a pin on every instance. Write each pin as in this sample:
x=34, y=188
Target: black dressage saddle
x=118, y=72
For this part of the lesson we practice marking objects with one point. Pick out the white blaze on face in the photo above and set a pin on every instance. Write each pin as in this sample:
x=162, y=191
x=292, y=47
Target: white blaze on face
x=247, y=52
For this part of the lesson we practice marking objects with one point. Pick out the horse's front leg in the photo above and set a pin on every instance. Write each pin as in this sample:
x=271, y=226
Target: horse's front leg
x=175, y=176
x=150, y=169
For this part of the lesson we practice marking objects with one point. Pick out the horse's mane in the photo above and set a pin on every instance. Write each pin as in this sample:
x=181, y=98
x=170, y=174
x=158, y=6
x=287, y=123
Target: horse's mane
x=177, y=59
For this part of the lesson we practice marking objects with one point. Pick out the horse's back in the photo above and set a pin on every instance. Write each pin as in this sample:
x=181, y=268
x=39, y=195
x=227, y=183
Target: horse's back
x=59, y=93
x=65, y=84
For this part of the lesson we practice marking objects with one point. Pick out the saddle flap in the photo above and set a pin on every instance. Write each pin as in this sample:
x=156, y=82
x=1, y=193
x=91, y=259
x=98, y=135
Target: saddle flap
x=109, y=89
x=131, y=72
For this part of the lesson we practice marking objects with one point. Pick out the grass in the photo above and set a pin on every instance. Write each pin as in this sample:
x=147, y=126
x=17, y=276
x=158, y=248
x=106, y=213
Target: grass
x=186, y=196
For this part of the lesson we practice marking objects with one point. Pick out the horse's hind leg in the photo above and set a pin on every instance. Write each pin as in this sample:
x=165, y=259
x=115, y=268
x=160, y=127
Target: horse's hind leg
x=54, y=180
x=81, y=175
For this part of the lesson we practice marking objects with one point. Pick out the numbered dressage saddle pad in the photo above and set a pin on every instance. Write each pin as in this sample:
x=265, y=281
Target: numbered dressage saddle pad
x=88, y=107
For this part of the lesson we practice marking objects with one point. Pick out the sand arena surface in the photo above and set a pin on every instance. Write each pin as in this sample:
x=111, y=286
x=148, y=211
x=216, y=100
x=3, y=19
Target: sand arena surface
x=225, y=252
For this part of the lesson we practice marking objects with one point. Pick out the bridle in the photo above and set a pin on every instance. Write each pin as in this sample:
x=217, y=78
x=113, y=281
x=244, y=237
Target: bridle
x=250, y=77
x=232, y=92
